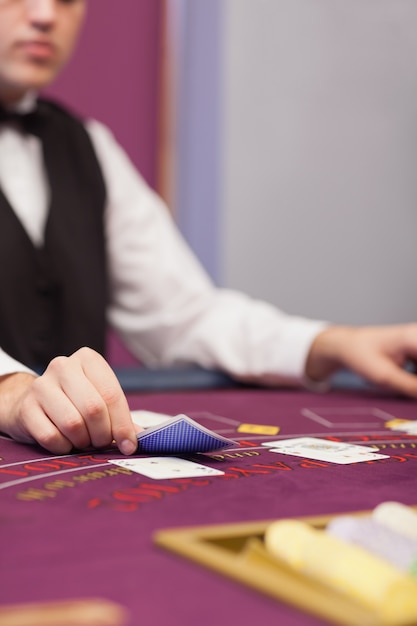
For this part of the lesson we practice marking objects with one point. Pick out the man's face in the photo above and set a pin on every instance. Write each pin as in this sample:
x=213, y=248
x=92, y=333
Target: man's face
x=36, y=39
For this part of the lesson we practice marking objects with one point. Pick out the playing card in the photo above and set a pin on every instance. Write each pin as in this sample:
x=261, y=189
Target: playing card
x=324, y=450
x=146, y=419
x=317, y=443
x=180, y=435
x=164, y=467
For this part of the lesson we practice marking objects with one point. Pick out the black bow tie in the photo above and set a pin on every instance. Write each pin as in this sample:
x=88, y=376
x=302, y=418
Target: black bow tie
x=31, y=122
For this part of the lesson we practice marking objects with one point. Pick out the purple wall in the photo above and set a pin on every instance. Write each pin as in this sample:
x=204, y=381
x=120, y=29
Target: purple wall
x=113, y=77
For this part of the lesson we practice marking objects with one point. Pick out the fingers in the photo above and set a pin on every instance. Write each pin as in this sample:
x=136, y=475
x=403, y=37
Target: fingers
x=119, y=421
x=37, y=427
x=78, y=402
x=74, y=403
x=376, y=353
x=390, y=375
x=380, y=353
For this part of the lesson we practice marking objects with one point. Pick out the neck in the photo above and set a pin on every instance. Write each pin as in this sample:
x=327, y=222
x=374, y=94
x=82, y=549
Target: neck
x=24, y=103
x=11, y=97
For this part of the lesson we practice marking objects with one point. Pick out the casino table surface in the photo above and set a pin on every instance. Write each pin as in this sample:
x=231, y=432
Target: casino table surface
x=76, y=526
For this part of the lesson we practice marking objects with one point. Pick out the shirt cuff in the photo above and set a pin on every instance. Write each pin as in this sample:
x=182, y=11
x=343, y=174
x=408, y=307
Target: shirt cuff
x=295, y=346
x=8, y=365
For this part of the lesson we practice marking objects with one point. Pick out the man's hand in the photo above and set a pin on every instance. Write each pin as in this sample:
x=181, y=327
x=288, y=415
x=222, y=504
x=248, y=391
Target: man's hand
x=377, y=353
x=77, y=402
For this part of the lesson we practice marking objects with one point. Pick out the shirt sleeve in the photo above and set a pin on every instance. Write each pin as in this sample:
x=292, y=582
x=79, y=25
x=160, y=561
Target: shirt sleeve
x=8, y=365
x=165, y=306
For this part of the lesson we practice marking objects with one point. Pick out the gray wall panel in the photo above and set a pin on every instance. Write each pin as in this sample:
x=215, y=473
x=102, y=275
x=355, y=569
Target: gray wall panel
x=319, y=158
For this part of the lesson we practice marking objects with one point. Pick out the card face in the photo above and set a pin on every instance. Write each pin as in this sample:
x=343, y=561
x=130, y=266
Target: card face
x=180, y=435
x=324, y=450
x=165, y=467
x=146, y=419
x=316, y=443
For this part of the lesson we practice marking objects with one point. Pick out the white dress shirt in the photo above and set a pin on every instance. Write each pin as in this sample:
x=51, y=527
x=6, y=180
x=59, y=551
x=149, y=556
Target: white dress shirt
x=163, y=304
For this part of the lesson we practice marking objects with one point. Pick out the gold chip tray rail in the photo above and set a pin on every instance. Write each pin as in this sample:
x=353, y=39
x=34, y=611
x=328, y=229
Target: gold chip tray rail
x=237, y=551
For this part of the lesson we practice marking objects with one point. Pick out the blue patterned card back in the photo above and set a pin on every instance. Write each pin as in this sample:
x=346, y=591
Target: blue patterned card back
x=181, y=435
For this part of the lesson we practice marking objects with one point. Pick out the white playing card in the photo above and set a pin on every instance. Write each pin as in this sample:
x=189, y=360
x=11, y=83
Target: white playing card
x=316, y=443
x=324, y=450
x=149, y=418
x=164, y=467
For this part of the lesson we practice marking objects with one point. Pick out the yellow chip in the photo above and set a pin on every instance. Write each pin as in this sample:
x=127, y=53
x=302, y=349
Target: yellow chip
x=396, y=422
x=257, y=429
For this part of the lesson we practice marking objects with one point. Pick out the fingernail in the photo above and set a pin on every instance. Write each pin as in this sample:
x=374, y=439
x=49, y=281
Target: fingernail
x=127, y=447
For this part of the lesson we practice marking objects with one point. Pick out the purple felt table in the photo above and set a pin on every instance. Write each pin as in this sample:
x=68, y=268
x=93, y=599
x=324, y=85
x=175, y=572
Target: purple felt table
x=77, y=526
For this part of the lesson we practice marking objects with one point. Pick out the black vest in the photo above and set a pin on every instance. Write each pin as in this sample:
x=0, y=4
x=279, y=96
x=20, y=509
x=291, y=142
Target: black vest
x=53, y=299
